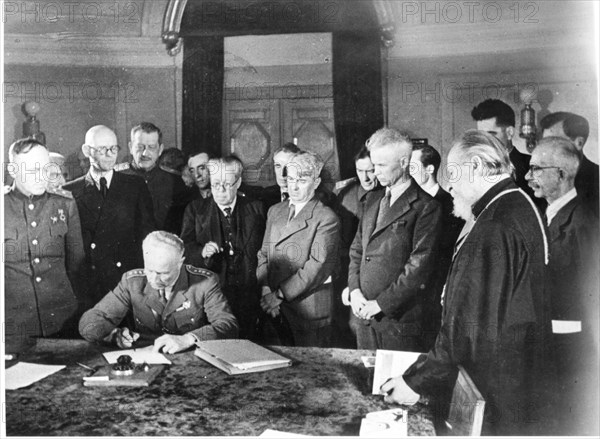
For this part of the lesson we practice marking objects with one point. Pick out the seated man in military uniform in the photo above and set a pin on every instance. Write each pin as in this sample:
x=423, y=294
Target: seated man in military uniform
x=173, y=305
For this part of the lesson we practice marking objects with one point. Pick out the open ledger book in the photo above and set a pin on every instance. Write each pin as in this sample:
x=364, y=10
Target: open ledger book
x=239, y=356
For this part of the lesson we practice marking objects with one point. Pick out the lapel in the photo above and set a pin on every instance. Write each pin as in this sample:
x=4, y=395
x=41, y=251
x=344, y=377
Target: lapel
x=299, y=222
x=179, y=295
x=562, y=219
x=398, y=209
x=90, y=196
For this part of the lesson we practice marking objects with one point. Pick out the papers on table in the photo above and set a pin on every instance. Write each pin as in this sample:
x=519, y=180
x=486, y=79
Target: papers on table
x=277, y=434
x=385, y=423
x=138, y=356
x=389, y=364
x=24, y=374
x=368, y=361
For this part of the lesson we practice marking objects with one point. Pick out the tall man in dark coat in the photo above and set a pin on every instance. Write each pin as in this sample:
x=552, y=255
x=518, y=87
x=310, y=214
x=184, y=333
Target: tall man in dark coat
x=116, y=214
x=572, y=282
x=224, y=233
x=169, y=193
x=43, y=250
x=496, y=322
x=394, y=252
x=577, y=129
x=424, y=165
x=299, y=256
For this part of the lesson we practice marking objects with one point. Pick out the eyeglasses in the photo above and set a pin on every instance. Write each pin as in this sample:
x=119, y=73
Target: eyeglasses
x=224, y=186
x=103, y=149
x=140, y=147
x=535, y=168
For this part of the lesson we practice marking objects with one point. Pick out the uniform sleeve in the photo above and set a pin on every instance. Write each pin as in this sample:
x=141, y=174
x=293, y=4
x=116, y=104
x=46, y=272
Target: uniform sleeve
x=321, y=262
x=98, y=322
x=222, y=323
x=75, y=255
x=421, y=262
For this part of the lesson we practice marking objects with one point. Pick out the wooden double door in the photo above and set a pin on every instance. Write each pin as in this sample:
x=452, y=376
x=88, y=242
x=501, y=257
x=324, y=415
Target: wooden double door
x=254, y=128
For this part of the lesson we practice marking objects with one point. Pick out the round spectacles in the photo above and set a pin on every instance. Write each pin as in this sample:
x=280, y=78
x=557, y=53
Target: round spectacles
x=103, y=149
x=224, y=186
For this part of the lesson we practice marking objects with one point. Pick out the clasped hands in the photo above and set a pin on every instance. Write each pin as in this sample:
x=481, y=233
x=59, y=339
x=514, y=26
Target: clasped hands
x=169, y=343
x=269, y=301
x=361, y=307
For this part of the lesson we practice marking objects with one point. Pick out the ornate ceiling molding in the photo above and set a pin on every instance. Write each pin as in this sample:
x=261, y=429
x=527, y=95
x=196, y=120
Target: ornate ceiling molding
x=171, y=28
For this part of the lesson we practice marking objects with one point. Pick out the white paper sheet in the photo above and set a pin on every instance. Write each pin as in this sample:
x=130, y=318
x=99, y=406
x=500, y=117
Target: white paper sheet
x=139, y=356
x=24, y=374
x=389, y=364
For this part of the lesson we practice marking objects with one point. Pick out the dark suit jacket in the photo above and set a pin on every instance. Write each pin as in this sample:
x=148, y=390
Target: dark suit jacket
x=496, y=318
x=113, y=229
x=170, y=196
x=393, y=264
x=587, y=183
x=298, y=258
x=201, y=224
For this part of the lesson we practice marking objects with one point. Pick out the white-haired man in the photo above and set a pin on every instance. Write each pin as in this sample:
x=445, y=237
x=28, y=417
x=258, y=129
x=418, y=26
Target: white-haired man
x=173, y=305
x=495, y=322
x=299, y=255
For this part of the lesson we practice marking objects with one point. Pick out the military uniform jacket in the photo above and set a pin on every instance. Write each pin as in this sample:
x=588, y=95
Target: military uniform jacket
x=169, y=195
x=113, y=229
x=393, y=264
x=298, y=257
x=43, y=255
x=196, y=305
x=495, y=321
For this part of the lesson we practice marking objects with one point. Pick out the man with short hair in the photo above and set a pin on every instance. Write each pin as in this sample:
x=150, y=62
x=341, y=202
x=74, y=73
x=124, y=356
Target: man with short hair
x=116, y=214
x=43, y=250
x=577, y=129
x=496, y=319
x=572, y=282
x=299, y=255
x=424, y=165
x=351, y=198
x=198, y=166
x=498, y=118
x=224, y=233
x=393, y=253
x=169, y=194
x=174, y=306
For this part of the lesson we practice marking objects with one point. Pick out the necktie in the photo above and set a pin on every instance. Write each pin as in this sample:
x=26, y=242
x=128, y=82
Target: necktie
x=292, y=212
x=163, y=295
x=228, y=231
x=384, y=207
x=285, y=196
x=227, y=212
x=103, y=187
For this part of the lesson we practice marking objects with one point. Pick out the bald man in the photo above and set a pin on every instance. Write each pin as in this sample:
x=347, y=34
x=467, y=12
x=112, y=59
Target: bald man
x=116, y=215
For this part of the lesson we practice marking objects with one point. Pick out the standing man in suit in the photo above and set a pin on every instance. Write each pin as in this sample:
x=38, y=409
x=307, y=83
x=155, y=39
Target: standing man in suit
x=394, y=252
x=43, y=250
x=224, y=233
x=496, y=322
x=116, y=214
x=424, y=165
x=498, y=118
x=577, y=129
x=169, y=194
x=351, y=199
x=299, y=255
x=198, y=166
x=572, y=282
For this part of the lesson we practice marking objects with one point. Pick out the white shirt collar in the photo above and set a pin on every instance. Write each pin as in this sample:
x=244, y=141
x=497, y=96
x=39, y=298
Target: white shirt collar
x=97, y=175
x=298, y=207
x=232, y=205
x=433, y=190
x=558, y=204
x=397, y=190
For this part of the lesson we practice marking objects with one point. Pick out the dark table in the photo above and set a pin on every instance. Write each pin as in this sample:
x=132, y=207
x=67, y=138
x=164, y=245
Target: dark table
x=325, y=392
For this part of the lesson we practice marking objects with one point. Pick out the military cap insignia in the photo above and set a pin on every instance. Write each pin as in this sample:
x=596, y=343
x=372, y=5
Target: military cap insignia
x=198, y=271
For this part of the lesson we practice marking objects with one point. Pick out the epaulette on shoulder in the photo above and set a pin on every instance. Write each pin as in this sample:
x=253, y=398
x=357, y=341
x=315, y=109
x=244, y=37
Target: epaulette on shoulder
x=342, y=184
x=138, y=272
x=122, y=166
x=198, y=271
x=60, y=192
